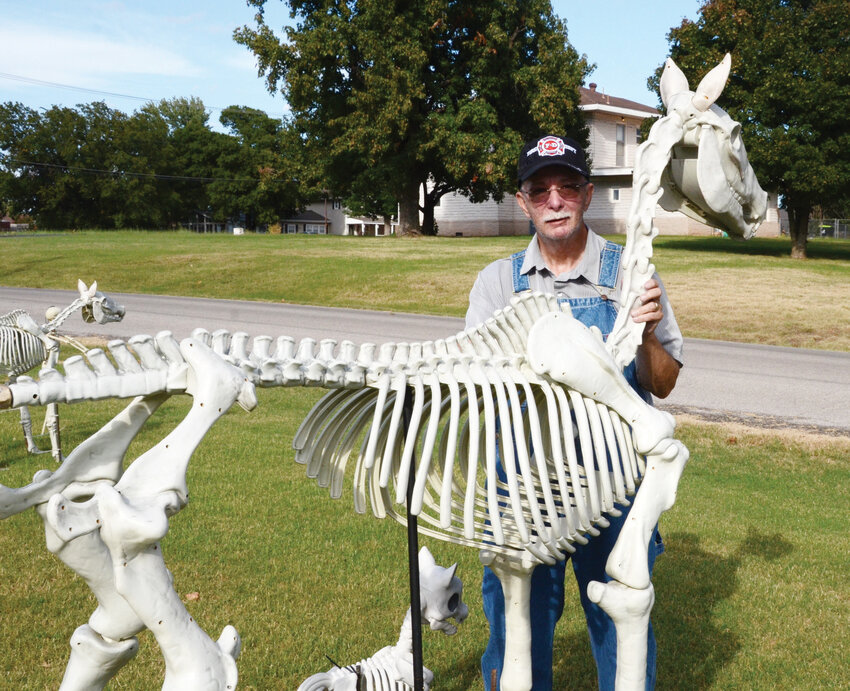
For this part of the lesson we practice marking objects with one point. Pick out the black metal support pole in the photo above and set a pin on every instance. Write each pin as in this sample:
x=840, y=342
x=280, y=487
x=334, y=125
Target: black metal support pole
x=413, y=557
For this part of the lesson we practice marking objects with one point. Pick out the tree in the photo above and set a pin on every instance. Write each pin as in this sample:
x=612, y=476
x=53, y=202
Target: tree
x=424, y=95
x=789, y=89
x=192, y=151
x=84, y=167
x=54, y=157
x=256, y=177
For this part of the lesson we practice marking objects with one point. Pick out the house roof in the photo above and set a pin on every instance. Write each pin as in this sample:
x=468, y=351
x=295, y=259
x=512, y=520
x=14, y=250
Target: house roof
x=591, y=97
x=308, y=216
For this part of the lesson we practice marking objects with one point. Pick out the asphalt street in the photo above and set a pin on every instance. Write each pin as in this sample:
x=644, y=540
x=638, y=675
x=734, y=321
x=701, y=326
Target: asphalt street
x=756, y=384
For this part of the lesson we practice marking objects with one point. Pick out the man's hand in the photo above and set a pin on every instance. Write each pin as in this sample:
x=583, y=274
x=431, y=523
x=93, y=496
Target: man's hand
x=649, y=310
x=657, y=371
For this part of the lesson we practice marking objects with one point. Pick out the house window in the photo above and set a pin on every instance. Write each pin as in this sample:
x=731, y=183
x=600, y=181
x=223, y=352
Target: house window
x=314, y=228
x=638, y=138
x=615, y=194
x=291, y=228
x=621, y=145
x=337, y=203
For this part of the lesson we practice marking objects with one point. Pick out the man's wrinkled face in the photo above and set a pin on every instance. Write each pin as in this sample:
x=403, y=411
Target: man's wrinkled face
x=555, y=199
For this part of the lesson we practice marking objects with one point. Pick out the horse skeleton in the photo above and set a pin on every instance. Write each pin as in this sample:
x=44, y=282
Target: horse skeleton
x=25, y=344
x=531, y=371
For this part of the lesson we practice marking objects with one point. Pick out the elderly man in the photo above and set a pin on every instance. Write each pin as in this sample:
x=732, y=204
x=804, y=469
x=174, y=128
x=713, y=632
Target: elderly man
x=569, y=260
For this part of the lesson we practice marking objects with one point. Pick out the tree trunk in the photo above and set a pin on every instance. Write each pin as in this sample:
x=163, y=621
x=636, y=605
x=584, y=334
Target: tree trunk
x=798, y=219
x=408, y=211
x=428, y=226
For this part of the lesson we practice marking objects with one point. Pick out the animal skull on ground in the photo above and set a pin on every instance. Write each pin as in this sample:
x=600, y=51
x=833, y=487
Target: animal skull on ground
x=391, y=668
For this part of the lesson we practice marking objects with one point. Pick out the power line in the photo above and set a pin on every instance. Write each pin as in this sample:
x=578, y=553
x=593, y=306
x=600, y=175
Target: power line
x=59, y=85
x=122, y=173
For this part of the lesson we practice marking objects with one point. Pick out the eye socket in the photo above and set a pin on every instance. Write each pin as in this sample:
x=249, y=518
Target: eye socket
x=454, y=600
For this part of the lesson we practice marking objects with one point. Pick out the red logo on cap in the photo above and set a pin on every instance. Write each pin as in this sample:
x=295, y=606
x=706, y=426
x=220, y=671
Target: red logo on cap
x=551, y=146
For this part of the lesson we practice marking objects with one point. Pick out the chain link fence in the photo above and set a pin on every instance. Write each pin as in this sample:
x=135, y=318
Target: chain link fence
x=828, y=227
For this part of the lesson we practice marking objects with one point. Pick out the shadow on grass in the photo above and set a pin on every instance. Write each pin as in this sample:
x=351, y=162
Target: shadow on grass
x=764, y=247
x=689, y=584
x=467, y=673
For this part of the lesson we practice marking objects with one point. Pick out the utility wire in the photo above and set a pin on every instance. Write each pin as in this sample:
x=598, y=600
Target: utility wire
x=41, y=82
x=122, y=173
x=58, y=85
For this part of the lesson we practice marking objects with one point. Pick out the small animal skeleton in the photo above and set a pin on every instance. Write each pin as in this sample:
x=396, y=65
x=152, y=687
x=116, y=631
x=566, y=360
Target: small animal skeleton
x=531, y=372
x=24, y=344
x=391, y=668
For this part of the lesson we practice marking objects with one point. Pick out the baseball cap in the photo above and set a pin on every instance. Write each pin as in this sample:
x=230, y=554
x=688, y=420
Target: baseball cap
x=551, y=150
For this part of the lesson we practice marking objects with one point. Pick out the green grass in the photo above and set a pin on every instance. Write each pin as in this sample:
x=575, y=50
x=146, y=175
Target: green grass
x=720, y=288
x=751, y=594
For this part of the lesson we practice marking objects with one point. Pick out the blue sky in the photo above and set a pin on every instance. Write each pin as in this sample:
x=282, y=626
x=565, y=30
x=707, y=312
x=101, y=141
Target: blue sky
x=154, y=49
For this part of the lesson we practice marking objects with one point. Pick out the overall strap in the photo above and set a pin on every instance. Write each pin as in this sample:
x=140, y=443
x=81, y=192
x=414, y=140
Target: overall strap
x=609, y=264
x=520, y=280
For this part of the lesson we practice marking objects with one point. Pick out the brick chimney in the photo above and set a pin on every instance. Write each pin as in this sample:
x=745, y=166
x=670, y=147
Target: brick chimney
x=592, y=86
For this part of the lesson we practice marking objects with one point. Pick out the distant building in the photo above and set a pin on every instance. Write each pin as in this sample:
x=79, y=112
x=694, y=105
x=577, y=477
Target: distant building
x=329, y=216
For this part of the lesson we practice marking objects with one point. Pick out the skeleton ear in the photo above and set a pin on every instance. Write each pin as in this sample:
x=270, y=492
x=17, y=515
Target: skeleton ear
x=450, y=573
x=426, y=560
x=712, y=84
x=673, y=81
x=81, y=287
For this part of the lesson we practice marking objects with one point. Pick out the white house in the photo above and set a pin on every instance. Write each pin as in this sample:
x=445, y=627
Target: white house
x=330, y=217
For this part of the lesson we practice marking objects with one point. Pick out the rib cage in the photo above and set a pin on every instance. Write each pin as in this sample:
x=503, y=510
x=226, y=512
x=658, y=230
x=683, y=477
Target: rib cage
x=20, y=350
x=544, y=506
x=471, y=394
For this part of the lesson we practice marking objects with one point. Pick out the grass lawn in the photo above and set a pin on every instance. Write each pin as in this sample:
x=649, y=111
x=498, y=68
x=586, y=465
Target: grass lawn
x=751, y=594
x=752, y=591
x=720, y=288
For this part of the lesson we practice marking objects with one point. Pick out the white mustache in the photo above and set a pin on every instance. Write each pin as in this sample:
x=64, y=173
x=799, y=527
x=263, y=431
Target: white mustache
x=558, y=217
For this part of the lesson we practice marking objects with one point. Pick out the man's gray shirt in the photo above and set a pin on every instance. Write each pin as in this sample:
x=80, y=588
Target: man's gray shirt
x=493, y=289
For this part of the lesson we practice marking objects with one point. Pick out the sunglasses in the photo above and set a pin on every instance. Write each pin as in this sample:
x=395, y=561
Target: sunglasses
x=569, y=192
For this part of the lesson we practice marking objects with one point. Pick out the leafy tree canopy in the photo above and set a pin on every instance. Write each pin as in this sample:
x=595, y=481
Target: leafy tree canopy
x=430, y=95
x=95, y=167
x=789, y=88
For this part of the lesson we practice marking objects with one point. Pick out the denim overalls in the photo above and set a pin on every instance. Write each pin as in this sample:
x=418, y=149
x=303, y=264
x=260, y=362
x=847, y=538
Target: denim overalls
x=547, y=582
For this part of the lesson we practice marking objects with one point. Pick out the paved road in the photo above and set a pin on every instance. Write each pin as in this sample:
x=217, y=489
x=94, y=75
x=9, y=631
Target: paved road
x=760, y=384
